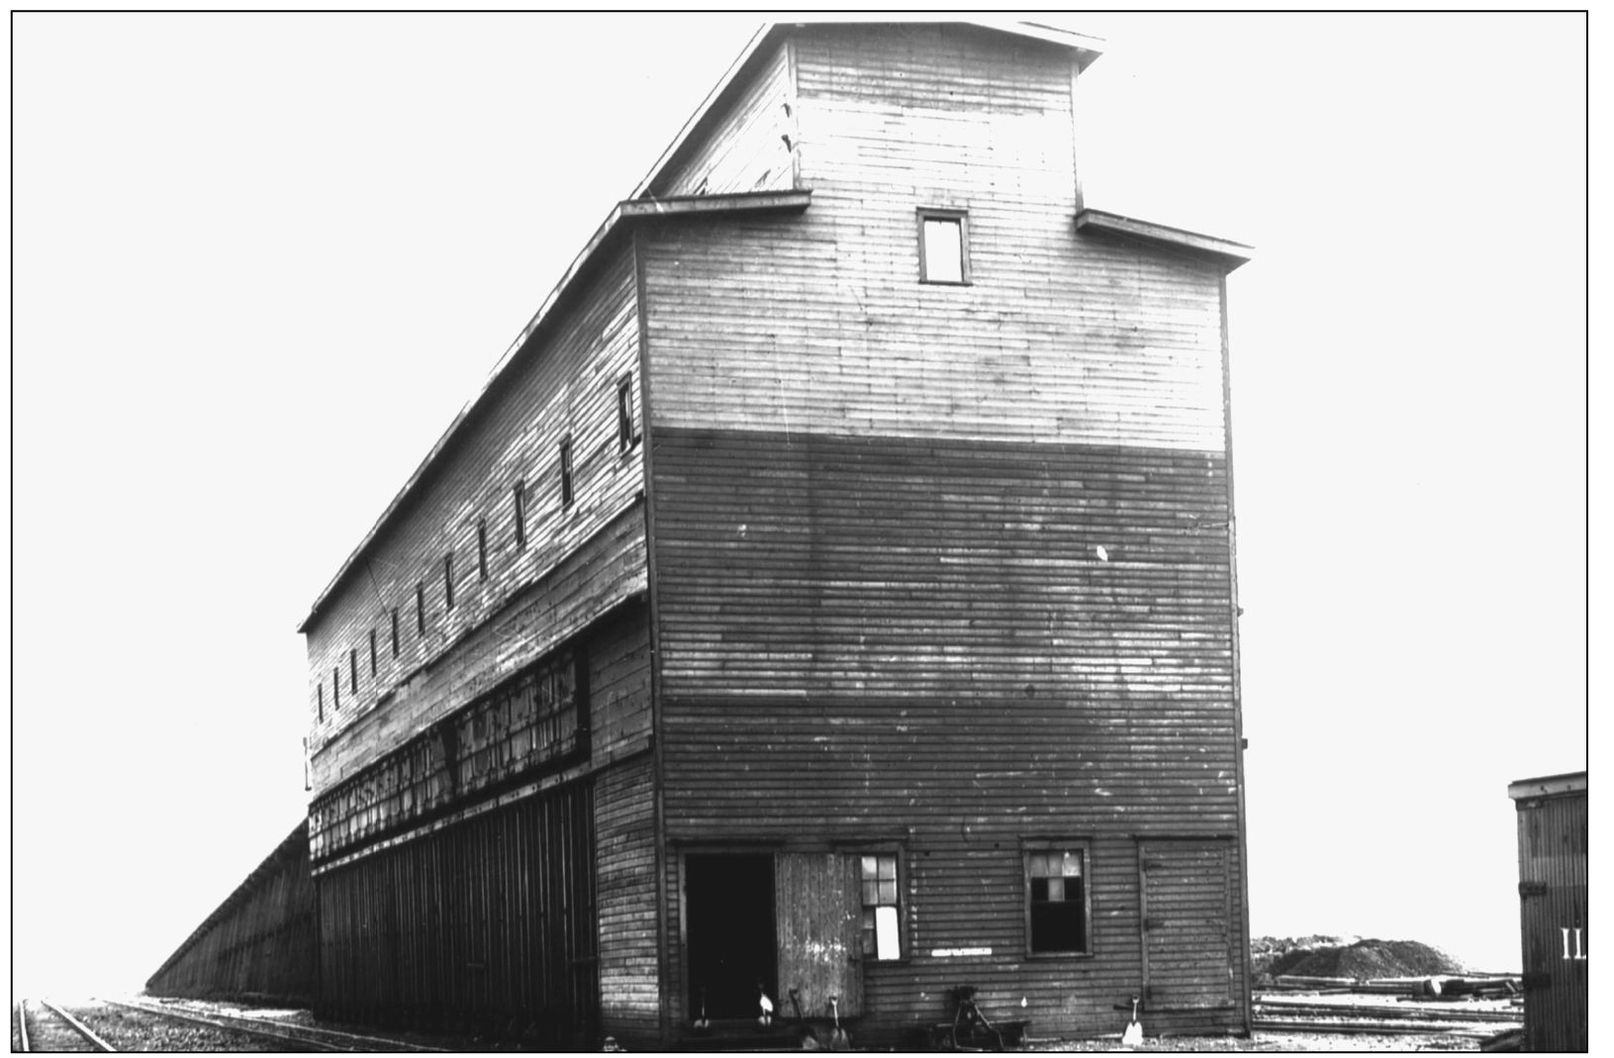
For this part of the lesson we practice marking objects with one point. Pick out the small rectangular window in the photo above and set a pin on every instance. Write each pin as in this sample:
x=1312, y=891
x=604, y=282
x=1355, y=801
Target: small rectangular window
x=519, y=495
x=566, y=472
x=944, y=246
x=482, y=548
x=420, y=609
x=881, y=938
x=353, y=670
x=627, y=423
x=336, y=688
x=448, y=580
x=394, y=631
x=320, y=687
x=1056, y=900
x=372, y=653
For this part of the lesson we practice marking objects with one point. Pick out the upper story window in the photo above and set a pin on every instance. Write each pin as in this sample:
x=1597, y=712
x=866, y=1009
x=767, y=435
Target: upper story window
x=944, y=246
x=448, y=581
x=394, y=631
x=482, y=548
x=566, y=472
x=420, y=609
x=353, y=670
x=372, y=652
x=518, y=494
x=320, y=687
x=627, y=422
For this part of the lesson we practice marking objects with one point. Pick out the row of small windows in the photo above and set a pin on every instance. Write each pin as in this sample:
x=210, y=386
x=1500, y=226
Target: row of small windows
x=628, y=436
x=1056, y=901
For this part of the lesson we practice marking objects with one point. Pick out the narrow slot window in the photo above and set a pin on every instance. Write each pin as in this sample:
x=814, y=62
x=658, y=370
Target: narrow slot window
x=372, y=653
x=320, y=689
x=336, y=688
x=448, y=580
x=353, y=670
x=519, y=495
x=881, y=935
x=943, y=246
x=420, y=609
x=482, y=548
x=566, y=472
x=394, y=631
x=627, y=423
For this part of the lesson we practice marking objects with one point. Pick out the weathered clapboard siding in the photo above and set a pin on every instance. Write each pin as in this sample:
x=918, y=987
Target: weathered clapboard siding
x=261, y=943
x=820, y=324
x=751, y=149
x=569, y=386
x=950, y=563
x=861, y=636
x=630, y=993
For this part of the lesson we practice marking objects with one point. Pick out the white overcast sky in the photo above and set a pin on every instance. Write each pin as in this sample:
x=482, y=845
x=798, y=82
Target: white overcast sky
x=260, y=261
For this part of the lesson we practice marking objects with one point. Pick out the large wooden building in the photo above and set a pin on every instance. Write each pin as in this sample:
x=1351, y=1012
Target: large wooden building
x=831, y=592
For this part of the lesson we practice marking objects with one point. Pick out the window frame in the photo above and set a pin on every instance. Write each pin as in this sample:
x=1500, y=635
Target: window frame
x=372, y=653
x=903, y=945
x=568, y=492
x=420, y=609
x=353, y=671
x=929, y=213
x=482, y=548
x=448, y=580
x=1082, y=847
x=394, y=631
x=628, y=433
x=518, y=494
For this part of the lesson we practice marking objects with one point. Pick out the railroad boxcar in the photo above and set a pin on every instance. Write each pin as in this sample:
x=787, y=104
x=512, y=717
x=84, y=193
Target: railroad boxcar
x=260, y=943
x=1552, y=909
x=828, y=602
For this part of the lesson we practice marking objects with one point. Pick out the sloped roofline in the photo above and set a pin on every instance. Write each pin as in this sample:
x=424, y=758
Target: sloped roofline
x=1086, y=48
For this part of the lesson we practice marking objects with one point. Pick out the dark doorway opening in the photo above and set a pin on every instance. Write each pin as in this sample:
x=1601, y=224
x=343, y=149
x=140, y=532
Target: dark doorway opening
x=729, y=914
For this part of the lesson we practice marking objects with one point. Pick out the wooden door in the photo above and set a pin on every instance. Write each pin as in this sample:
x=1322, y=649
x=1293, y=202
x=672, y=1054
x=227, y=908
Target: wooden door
x=1187, y=925
x=819, y=915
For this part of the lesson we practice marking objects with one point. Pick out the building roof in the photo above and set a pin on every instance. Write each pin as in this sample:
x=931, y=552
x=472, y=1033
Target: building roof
x=1230, y=254
x=1548, y=786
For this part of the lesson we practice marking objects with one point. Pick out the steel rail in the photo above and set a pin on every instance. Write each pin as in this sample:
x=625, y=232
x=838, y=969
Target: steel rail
x=78, y=1026
x=310, y=1035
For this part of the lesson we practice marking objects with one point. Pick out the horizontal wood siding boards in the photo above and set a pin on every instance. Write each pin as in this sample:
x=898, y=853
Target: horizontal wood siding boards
x=261, y=943
x=618, y=653
x=750, y=149
x=873, y=636
x=604, y=573
x=819, y=323
x=630, y=993
x=568, y=386
x=811, y=565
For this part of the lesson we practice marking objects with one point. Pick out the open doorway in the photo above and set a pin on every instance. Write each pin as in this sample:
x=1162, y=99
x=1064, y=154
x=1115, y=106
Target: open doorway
x=729, y=913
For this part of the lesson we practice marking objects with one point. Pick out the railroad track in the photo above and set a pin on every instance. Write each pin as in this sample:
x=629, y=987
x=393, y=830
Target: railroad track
x=304, y=1037
x=54, y=1029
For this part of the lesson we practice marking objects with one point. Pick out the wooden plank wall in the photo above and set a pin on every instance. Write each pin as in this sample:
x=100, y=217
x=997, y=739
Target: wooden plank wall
x=1553, y=899
x=751, y=149
x=949, y=563
x=486, y=926
x=565, y=383
x=630, y=992
x=260, y=943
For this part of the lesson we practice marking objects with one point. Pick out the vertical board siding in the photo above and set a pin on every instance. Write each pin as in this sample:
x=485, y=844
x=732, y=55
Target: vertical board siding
x=565, y=383
x=1553, y=898
x=260, y=943
x=487, y=925
x=750, y=150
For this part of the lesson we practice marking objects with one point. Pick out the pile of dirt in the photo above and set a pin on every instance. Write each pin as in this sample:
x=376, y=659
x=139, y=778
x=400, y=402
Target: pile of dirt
x=1361, y=959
